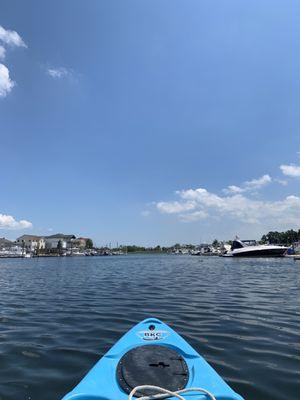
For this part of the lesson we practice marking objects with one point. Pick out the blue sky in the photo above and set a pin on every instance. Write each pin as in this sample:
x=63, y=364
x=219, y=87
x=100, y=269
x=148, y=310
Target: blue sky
x=149, y=121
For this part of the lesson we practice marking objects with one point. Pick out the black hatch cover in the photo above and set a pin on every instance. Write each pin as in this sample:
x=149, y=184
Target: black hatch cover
x=152, y=365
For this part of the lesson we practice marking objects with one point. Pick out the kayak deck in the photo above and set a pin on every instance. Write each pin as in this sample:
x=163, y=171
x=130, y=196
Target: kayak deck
x=108, y=379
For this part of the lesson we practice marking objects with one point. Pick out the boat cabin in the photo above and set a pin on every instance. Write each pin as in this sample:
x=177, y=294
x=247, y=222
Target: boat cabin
x=239, y=244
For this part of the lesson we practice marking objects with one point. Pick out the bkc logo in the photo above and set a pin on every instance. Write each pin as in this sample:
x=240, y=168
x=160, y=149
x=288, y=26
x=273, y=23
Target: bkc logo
x=153, y=335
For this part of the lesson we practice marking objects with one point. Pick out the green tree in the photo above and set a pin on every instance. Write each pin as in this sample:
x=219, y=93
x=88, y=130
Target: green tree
x=135, y=249
x=215, y=243
x=89, y=244
x=59, y=247
x=286, y=238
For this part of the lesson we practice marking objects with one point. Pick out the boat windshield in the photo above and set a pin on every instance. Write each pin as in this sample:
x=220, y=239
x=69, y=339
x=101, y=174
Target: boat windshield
x=237, y=244
x=249, y=242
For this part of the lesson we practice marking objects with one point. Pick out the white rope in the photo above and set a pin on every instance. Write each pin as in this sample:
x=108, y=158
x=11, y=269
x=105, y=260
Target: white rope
x=163, y=393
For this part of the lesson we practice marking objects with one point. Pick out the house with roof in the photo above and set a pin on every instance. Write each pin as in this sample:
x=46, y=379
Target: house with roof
x=31, y=243
x=81, y=242
x=10, y=249
x=66, y=241
x=6, y=244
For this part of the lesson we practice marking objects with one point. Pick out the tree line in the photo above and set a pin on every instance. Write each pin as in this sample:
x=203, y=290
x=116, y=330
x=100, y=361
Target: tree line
x=286, y=238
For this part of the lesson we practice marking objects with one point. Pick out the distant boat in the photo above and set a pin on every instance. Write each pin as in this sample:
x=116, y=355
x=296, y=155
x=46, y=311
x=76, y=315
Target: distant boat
x=77, y=253
x=117, y=253
x=249, y=248
x=8, y=254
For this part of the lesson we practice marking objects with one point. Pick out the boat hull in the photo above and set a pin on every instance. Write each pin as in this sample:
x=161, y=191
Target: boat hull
x=260, y=253
x=101, y=383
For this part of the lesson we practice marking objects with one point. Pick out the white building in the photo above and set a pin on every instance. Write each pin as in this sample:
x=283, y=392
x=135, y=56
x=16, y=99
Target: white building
x=66, y=241
x=31, y=243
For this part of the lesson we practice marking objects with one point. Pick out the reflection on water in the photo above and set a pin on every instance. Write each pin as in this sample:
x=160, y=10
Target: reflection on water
x=58, y=316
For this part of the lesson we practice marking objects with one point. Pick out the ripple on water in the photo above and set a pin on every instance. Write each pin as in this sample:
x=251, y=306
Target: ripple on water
x=58, y=316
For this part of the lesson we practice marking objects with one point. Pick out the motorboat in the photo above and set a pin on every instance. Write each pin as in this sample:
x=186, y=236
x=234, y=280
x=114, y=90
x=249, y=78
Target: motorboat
x=250, y=248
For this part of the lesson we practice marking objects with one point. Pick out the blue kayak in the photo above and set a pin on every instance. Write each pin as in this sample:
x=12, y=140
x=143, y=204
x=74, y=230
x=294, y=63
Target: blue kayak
x=151, y=354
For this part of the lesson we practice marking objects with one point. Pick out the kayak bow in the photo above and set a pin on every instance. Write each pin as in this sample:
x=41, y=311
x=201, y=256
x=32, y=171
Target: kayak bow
x=151, y=355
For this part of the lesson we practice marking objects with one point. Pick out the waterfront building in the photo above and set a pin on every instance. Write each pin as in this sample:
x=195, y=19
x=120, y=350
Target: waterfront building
x=31, y=243
x=6, y=244
x=205, y=248
x=80, y=242
x=66, y=241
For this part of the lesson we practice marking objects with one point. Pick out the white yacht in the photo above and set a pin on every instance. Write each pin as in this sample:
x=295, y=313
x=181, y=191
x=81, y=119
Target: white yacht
x=249, y=248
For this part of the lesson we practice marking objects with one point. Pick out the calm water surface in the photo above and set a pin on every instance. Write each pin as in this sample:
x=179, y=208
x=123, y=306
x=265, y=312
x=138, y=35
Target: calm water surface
x=58, y=316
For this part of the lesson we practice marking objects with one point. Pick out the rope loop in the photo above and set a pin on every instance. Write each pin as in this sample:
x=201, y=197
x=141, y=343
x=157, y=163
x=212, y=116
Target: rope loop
x=165, y=393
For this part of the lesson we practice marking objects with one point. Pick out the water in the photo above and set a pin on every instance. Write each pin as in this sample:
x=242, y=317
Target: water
x=59, y=315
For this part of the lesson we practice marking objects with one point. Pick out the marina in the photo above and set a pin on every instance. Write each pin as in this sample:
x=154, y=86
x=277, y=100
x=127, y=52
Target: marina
x=57, y=245
x=61, y=245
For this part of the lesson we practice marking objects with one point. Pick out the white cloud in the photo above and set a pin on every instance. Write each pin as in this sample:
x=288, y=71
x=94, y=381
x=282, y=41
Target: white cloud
x=9, y=222
x=258, y=183
x=145, y=213
x=234, y=189
x=6, y=84
x=281, y=182
x=194, y=204
x=58, y=73
x=11, y=38
x=194, y=216
x=249, y=186
x=290, y=170
x=175, y=207
x=2, y=52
